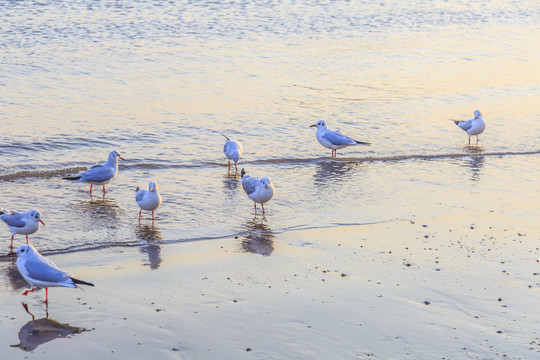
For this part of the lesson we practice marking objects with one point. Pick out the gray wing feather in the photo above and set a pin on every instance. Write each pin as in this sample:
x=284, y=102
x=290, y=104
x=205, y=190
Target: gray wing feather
x=139, y=195
x=337, y=138
x=44, y=271
x=14, y=220
x=465, y=125
x=98, y=173
x=249, y=184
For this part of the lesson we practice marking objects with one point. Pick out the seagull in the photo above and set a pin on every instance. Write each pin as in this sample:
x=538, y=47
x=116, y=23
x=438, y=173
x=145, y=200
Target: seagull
x=233, y=150
x=21, y=223
x=99, y=174
x=332, y=139
x=260, y=190
x=148, y=200
x=40, y=272
x=474, y=126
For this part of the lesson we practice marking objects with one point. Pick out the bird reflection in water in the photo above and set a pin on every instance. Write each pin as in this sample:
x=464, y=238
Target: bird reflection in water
x=231, y=179
x=258, y=238
x=150, y=234
x=13, y=275
x=37, y=332
x=104, y=212
x=332, y=171
x=476, y=161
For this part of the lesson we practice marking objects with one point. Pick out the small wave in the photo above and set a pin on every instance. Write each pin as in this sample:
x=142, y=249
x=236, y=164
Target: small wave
x=41, y=173
x=276, y=161
x=396, y=158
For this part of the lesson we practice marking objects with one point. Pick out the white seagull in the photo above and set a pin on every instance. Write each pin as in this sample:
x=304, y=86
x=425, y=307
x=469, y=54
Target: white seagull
x=332, y=139
x=260, y=190
x=148, y=200
x=21, y=223
x=99, y=174
x=474, y=126
x=40, y=272
x=233, y=151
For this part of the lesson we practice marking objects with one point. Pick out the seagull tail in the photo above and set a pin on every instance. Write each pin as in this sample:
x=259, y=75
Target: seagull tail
x=362, y=143
x=80, y=282
x=71, y=177
x=3, y=211
x=226, y=137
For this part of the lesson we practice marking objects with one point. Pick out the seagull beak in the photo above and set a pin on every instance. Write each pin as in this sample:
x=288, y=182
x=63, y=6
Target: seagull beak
x=267, y=186
x=313, y=126
x=121, y=158
x=41, y=221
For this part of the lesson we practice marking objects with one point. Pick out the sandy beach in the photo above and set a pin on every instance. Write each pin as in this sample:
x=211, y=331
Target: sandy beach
x=420, y=289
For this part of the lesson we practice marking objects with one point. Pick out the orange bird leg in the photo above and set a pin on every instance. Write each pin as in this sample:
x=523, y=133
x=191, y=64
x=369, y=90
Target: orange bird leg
x=152, y=215
x=46, y=296
x=12, y=236
x=104, y=189
x=140, y=211
x=255, y=206
x=27, y=239
x=262, y=205
x=91, y=188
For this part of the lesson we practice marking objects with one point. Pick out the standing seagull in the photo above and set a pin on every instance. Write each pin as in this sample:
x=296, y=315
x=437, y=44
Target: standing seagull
x=148, y=200
x=40, y=272
x=333, y=139
x=233, y=150
x=474, y=126
x=21, y=223
x=260, y=190
x=99, y=174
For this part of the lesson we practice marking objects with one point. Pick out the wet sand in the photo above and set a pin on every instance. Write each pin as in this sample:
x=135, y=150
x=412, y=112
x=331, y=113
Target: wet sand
x=429, y=288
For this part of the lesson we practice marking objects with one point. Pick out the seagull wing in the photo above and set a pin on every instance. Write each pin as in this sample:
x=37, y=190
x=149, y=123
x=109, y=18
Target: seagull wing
x=249, y=184
x=139, y=195
x=465, y=125
x=336, y=138
x=14, y=219
x=98, y=173
x=43, y=270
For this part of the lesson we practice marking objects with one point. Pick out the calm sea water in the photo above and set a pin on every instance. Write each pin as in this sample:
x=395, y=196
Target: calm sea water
x=161, y=81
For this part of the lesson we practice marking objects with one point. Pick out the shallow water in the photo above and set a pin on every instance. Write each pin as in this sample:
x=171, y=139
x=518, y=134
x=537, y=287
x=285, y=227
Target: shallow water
x=160, y=83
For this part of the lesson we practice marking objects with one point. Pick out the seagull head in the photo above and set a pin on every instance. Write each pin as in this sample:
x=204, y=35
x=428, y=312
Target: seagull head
x=266, y=182
x=319, y=124
x=152, y=186
x=36, y=216
x=477, y=114
x=115, y=155
x=25, y=250
x=242, y=173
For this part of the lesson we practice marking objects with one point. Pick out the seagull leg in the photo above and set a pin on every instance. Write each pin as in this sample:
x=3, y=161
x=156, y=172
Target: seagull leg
x=255, y=206
x=104, y=189
x=469, y=140
x=230, y=163
x=28, y=291
x=27, y=238
x=152, y=215
x=91, y=188
x=12, y=236
x=140, y=211
x=46, y=296
x=477, y=139
x=262, y=205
